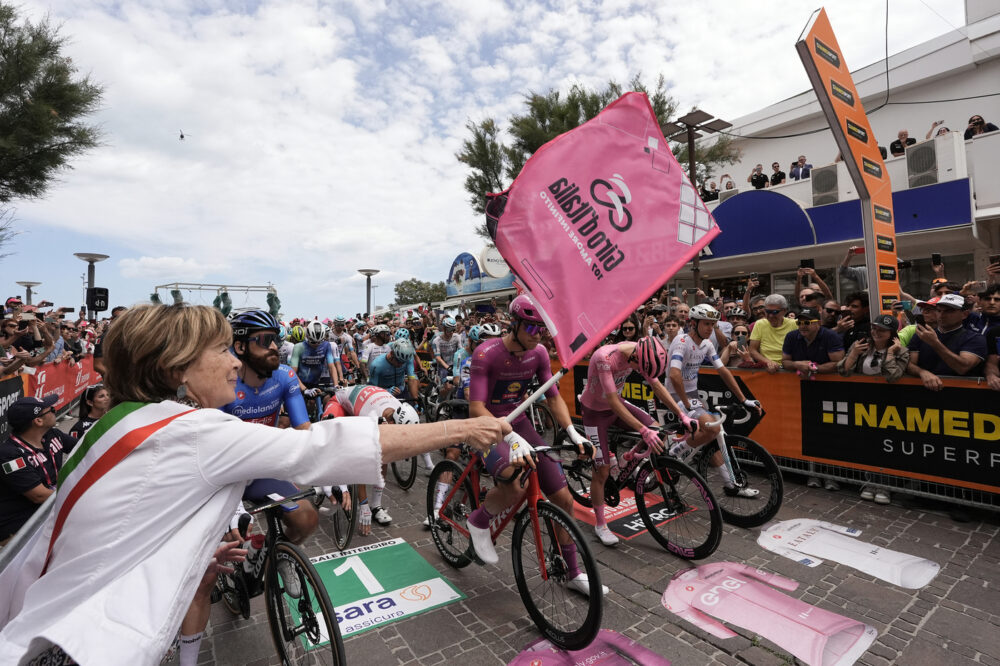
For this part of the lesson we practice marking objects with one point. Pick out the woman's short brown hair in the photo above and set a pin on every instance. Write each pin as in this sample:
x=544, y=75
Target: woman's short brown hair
x=148, y=344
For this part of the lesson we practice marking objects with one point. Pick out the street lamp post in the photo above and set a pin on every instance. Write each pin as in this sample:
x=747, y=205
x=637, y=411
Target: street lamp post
x=27, y=290
x=690, y=124
x=91, y=258
x=368, y=273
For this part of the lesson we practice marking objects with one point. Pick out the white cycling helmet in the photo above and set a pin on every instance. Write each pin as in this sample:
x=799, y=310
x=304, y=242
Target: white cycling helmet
x=381, y=329
x=405, y=414
x=489, y=331
x=316, y=332
x=704, y=311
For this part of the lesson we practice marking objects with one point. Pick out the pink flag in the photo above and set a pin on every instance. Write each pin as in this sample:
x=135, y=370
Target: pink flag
x=597, y=220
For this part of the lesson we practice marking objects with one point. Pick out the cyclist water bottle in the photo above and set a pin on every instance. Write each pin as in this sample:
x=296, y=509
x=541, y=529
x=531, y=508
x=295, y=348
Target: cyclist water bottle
x=253, y=546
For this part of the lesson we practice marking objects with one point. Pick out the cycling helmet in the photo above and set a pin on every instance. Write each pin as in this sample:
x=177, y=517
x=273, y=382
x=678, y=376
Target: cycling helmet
x=448, y=323
x=651, y=356
x=402, y=334
x=381, y=329
x=405, y=415
x=704, y=311
x=245, y=323
x=489, y=331
x=316, y=332
x=523, y=309
x=474, y=332
x=283, y=331
x=401, y=349
x=298, y=334
x=340, y=320
x=416, y=319
x=737, y=312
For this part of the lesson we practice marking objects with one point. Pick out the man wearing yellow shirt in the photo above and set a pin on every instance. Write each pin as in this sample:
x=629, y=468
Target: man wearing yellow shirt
x=768, y=334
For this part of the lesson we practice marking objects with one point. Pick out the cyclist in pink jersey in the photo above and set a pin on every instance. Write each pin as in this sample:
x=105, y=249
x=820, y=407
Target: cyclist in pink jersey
x=603, y=407
x=737, y=593
x=501, y=371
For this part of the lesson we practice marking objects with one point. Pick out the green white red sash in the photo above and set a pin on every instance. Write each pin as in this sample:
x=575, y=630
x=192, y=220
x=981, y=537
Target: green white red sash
x=107, y=443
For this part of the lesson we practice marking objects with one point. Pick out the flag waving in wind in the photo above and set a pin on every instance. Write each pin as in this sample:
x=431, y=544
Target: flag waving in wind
x=598, y=219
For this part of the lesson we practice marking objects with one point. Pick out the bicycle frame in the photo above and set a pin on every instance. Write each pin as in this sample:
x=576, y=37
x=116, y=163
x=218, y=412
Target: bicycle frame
x=498, y=523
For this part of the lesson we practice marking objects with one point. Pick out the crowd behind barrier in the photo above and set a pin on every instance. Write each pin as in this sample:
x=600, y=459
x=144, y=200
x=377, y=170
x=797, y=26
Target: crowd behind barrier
x=801, y=169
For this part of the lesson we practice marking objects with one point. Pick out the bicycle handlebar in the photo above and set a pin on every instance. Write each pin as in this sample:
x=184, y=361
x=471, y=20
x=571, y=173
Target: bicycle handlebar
x=274, y=505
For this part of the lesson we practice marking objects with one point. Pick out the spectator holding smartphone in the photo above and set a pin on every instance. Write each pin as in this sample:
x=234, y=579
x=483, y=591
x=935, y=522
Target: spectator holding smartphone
x=757, y=178
x=978, y=126
x=948, y=349
x=859, y=325
x=856, y=274
x=880, y=355
x=737, y=353
x=988, y=314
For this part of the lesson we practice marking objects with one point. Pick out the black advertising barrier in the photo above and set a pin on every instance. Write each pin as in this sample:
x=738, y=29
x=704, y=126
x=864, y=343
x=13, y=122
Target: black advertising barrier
x=10, y=390
x=953, y=433
x=950, y=437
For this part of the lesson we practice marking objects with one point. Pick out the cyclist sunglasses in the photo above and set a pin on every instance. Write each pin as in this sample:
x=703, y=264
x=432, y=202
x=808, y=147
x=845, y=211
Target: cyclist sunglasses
x=266, y=339
x=534, y=329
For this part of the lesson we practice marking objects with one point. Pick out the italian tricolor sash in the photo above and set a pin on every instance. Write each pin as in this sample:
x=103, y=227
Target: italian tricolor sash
x=107, y=443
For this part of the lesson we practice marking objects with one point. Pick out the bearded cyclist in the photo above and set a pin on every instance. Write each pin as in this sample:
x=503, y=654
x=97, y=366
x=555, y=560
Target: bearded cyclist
x=501, y=372
x=603, y=407
x=687, y=352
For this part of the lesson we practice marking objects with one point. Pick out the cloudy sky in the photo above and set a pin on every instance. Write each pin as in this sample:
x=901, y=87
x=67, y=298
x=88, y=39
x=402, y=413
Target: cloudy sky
x=320, y=137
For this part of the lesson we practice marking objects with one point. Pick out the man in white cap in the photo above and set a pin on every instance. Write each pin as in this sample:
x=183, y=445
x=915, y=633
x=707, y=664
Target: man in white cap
x=948, y=349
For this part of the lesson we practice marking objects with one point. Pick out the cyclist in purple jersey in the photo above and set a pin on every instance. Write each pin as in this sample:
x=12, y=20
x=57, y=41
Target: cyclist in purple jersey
x=501, y=370
x=603, y=407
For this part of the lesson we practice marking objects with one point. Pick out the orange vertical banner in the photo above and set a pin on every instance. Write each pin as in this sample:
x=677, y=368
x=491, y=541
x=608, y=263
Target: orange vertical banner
x=831, y=79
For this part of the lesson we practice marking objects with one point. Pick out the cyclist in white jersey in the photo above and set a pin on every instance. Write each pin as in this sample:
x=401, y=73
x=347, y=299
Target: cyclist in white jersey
x=687, y=352
x=345, y=342
x=378, y=345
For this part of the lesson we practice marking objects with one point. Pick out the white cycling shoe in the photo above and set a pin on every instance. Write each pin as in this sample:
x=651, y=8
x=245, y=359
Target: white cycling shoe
x=482, y=542
x=606, y=536
x=290, y=578
x=582, y=584
x=745, y=491
x=381, y=516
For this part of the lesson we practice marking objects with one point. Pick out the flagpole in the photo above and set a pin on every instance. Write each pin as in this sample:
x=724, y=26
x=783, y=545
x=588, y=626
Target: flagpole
x=531, y=398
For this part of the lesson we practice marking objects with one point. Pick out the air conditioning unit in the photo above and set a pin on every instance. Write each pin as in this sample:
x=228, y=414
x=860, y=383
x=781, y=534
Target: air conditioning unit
x=937, y=160
x=824, y=185
x=726, y=194
x=921, y=164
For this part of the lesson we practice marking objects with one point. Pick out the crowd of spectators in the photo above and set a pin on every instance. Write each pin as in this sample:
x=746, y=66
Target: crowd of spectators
x=801, y=168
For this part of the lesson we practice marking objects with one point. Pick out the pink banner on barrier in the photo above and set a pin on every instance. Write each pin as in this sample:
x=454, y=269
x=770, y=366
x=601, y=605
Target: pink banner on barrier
x=609, y=648
x=597, y=220
x=67, y=380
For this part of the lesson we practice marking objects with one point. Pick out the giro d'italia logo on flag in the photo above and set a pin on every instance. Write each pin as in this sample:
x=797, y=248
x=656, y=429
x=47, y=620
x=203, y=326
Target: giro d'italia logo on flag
x=597, y=220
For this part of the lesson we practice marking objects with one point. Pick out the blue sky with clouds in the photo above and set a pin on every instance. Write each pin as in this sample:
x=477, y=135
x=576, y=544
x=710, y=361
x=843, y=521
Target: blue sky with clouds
x=320, y=137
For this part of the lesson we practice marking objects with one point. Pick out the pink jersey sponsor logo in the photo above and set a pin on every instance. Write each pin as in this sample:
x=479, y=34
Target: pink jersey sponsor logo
x=729, y=584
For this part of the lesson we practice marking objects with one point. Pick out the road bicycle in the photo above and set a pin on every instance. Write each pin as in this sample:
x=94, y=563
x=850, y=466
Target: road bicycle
x=750, y=466
x=304, y=628
x=567, y=618
x=405, y=470
x=672, y=499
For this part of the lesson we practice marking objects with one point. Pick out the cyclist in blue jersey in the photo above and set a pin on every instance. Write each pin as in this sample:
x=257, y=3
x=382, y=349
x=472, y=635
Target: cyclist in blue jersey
x=310, y=358
x=394, y=371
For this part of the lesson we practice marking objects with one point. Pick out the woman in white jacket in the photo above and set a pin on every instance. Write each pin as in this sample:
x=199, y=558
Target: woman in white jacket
x=144, y=498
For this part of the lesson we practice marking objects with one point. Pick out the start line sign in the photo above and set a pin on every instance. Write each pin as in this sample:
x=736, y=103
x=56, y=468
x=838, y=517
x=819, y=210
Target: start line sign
x=373, y=585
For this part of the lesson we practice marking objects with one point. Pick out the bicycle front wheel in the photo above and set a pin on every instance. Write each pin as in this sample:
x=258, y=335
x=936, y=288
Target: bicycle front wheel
x=448, y=522
x=543, y=423
x=677, y=508
x=405, y=472
x=568, y=618
x=303, y=626
x=753, y=469
x=344, y=521
x=578, y=473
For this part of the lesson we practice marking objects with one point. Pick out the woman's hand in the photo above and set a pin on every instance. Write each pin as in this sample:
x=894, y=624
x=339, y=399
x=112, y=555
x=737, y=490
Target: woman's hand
x=483, y=432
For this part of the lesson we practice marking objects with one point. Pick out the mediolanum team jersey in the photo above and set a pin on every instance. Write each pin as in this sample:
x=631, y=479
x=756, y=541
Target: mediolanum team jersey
x=742, y=595
x=806, y=541
x=263, y=404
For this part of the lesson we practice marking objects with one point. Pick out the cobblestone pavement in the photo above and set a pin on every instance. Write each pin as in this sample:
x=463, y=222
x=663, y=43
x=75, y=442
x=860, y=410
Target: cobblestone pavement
x=954, y=620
